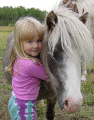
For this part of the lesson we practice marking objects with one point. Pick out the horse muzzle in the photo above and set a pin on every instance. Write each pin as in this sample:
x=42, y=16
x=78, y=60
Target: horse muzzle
x=72, y=105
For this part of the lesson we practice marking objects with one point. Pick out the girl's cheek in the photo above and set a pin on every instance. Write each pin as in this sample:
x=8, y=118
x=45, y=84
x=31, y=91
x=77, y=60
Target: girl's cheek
x=41, y=46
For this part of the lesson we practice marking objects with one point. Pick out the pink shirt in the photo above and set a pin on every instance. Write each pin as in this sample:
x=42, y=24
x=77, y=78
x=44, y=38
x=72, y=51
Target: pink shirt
x=25, y=80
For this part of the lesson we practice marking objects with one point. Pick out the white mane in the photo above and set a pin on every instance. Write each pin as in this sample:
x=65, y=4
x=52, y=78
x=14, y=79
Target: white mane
x=83, y=6
x=74, y=35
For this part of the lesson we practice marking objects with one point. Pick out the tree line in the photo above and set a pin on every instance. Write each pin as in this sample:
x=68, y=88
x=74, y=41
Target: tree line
x=9, y=15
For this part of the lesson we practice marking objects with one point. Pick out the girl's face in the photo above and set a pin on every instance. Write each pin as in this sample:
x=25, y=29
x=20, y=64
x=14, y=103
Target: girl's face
x=33, y=47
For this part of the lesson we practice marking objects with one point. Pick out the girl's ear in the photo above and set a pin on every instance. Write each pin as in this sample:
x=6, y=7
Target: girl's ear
x=51, y=20
x=84, y=17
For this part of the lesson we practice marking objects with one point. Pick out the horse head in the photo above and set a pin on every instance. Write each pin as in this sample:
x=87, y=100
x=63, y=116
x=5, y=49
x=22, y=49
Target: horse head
x=63, y=46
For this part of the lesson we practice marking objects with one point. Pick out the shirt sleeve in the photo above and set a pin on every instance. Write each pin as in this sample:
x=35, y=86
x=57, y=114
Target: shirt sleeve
x=38, y=71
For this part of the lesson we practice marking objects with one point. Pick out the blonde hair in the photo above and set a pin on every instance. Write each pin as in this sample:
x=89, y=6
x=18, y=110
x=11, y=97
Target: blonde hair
x=25, y=30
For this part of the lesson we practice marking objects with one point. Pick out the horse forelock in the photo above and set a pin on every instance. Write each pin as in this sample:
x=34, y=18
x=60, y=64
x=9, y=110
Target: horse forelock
x=73, y=34
x=78, y=6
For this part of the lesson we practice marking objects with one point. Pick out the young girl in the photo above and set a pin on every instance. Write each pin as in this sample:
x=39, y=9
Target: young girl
x=26, y=69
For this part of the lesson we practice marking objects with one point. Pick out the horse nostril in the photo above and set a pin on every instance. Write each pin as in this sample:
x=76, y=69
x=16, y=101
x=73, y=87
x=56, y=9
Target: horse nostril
x=66, y=102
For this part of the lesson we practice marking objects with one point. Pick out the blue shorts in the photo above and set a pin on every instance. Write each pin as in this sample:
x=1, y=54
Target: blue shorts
x=21, y=109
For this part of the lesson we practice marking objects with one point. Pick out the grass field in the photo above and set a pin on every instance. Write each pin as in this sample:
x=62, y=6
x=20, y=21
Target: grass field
x=85, y=113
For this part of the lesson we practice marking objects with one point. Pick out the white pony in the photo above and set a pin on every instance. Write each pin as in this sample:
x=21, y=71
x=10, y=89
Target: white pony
x=66, y=42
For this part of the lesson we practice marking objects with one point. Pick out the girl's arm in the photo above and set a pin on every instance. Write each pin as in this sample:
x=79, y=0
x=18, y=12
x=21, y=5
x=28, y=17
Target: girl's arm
x=38, y=71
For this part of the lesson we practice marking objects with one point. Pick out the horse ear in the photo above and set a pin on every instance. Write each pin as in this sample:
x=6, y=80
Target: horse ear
x=84, y=17
x=51, y=20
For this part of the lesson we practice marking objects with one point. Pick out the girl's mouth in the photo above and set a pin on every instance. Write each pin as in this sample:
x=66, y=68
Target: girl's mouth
x=35, y=50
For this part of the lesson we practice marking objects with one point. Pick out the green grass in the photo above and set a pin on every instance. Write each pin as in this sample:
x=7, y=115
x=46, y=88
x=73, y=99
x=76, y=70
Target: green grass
x=4, y=33
x=85, y=113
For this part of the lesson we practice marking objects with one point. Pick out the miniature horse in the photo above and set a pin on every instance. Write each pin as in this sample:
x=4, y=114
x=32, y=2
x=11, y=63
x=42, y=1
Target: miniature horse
x=66, y=40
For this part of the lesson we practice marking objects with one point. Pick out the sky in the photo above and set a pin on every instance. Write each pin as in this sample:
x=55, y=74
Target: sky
x=40, y=4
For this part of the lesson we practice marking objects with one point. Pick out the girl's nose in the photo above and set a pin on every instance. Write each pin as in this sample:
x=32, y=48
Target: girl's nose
x=35, y=44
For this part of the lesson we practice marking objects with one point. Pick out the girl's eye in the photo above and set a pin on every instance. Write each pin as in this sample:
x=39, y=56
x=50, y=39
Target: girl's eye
x=30, y=41
x=39, y=41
